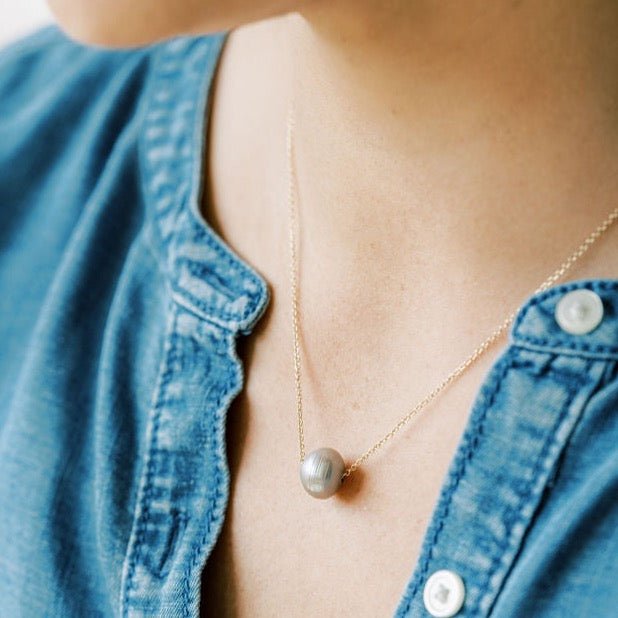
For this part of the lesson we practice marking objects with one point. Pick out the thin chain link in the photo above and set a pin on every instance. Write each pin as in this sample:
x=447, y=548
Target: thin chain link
x=497, y=332
x=293, y=281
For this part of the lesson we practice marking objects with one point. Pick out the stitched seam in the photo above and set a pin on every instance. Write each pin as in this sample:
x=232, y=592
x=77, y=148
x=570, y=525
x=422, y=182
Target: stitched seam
x=143, y=145
x=198, y=268
x=598, y=356
x=606, y=285
x=161, y=265
x=199, y=226
x=219, y=454
x=600, y=284
x=515, y=515
x=555, y=343
x=165, y=374
x=175, y=208
x=471, y=445
x=160, y=116
x=204, y=308
x=566, y=343
x=195, y=312
x=199, y=143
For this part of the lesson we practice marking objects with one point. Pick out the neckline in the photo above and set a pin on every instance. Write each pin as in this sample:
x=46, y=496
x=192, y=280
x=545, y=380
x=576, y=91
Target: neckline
x=206, y=275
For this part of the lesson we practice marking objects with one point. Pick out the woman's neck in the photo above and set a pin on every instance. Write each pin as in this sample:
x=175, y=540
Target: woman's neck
x=461, y=124
x=440, y=146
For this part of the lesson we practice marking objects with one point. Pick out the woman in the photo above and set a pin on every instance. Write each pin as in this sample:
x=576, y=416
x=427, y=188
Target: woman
x=177, y=177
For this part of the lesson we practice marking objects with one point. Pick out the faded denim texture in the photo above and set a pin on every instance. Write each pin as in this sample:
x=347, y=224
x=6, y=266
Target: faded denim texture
x=119, y=313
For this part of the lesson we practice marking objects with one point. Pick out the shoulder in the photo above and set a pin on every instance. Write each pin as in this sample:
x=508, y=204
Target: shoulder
x=52, y=87
x=54, y=90
x=70, y=111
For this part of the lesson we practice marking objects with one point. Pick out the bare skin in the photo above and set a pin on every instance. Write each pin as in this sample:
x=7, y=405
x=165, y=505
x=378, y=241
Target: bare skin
x=450, y=155
x=421, y=232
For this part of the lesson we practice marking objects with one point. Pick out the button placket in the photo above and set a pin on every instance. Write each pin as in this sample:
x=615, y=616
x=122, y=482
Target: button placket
x=508, y=450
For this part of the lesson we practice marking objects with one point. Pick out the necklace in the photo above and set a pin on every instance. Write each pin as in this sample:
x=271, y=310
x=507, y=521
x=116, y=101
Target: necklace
x=323, y=470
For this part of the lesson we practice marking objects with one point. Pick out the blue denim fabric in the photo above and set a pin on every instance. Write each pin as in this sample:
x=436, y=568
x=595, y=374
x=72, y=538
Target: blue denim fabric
x=119, y=314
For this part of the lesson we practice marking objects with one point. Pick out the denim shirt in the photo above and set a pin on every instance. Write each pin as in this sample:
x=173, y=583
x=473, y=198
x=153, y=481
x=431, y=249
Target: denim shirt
x=120, y=310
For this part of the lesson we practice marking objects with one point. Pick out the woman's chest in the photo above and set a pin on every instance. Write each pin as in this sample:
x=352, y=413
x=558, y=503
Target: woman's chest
x=352, y=554
x=280, y=548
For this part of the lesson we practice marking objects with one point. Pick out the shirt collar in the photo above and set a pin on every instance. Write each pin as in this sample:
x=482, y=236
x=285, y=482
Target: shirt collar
x=206, y=275
x=536, y=326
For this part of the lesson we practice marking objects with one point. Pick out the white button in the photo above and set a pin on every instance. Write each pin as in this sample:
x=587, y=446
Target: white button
x=444, y=593
x=579, y=312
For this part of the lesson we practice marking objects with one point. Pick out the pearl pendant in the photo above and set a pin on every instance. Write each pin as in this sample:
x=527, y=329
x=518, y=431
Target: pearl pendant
x=321, y=472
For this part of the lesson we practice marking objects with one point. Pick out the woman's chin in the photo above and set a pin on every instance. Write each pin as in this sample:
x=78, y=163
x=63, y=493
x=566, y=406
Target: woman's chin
x=121, y=24
x=134, y=23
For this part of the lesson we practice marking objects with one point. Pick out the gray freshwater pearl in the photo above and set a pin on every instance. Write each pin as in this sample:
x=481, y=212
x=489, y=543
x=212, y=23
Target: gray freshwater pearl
x=321, y=471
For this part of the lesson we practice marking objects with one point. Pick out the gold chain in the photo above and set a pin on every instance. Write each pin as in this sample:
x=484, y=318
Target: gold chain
x=292, y=186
